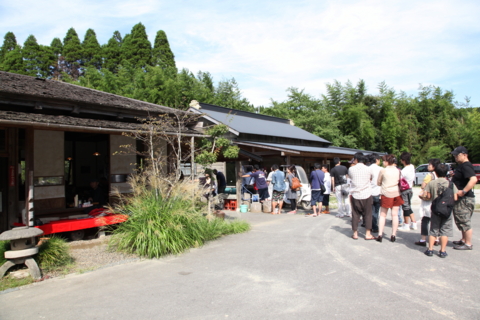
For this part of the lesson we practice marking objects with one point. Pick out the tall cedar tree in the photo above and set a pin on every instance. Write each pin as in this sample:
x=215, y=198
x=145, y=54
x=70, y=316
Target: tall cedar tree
x=91, y=51
x=136, y=49
x=13, y=61
x=112, y=52
x=9, y=43
x=72, y=53
x=57, y=48
x=38, y=59
x=161, y=53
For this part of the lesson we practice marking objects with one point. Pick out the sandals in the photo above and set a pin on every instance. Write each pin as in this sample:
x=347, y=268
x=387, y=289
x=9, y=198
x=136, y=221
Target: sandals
x=371, y=238
x=354, y=238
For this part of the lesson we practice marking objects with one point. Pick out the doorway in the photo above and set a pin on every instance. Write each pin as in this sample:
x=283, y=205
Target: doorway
x=86, y=159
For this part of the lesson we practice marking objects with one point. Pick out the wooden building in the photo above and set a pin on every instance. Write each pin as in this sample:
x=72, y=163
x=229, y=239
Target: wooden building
x=55, y=138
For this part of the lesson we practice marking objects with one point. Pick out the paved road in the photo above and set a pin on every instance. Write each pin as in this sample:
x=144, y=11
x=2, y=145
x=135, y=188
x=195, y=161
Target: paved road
x=287, y=267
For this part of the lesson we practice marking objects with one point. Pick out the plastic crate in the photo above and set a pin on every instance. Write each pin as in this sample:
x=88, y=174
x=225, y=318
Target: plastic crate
x=230, y=204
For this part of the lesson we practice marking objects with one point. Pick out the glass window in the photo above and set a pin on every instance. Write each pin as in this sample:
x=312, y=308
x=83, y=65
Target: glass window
x=422, y=168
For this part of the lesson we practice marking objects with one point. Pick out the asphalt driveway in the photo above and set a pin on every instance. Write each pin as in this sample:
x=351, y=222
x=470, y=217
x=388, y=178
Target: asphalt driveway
x=287, y=267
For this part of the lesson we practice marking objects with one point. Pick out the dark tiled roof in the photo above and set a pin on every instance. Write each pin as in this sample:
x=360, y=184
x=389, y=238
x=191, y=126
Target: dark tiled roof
x=253, y=123
x=21, y=85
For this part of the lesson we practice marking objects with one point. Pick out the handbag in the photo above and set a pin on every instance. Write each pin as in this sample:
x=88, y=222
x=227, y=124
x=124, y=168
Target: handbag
x=295, y=183
x=403, y=183
x=322, y=185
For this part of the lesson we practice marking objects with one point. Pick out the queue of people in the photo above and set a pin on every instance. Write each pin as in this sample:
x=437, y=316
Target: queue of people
x=366, y=192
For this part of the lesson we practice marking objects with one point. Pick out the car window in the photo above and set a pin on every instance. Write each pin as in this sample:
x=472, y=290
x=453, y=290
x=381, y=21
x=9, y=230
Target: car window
x=476, y=169
x=422, y=168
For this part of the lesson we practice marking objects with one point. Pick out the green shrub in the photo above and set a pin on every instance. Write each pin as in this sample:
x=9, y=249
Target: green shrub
x=167, y=221
x=4, y=246
x=53, y=253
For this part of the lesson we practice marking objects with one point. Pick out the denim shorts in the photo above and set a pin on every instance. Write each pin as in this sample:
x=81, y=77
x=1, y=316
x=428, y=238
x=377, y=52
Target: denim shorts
x=317, y=197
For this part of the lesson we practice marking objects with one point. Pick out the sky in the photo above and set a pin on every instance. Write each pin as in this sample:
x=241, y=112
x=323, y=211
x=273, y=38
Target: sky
x=270, y=46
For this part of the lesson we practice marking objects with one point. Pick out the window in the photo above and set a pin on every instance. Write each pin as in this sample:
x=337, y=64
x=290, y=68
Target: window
x=422, y=168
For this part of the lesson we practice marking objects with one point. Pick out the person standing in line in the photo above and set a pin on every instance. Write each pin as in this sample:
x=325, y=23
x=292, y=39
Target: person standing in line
x=464, y=179
x=316, y=179
x=339, y=175
x=388, y=179
x=222, y=182
x=248, y=181
x=426, y=204
x=327, y=181
x=374, y=166
x=440, y=226
x=261, y=182
x=291, y=194
x=278, y=182
x=408, y=172
x=361, y=177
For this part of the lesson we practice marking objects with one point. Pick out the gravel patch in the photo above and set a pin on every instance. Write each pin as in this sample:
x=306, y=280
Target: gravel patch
x=92, y=254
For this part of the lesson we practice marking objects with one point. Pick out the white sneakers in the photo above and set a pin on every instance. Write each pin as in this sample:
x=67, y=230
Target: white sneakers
x=408, y=227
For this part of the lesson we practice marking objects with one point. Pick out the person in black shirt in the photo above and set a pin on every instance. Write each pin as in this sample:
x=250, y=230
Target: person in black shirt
x=222, y=182
x=339, y=183
x=464, y=179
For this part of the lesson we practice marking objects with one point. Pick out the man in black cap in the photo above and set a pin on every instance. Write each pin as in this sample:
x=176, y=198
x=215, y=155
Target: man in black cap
x=464, y=179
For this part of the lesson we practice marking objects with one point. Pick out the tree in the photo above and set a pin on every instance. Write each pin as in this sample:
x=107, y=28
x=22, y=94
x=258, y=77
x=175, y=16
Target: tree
x=228, y=94
x=91, y=51
x=136, y=49
x=13, y=61
x=38, y=60
x=72, y=53
x=161, y=53
x=9, y=44
x=112, y=52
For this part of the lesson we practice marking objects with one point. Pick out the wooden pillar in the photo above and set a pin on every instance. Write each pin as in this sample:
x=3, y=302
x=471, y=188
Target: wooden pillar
x=13, y=181
x=238, y=170
x=29, y=198
x=192, y=158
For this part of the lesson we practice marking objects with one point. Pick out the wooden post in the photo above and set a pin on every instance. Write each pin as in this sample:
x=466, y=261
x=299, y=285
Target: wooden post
x=29, y=170
x=238, y=170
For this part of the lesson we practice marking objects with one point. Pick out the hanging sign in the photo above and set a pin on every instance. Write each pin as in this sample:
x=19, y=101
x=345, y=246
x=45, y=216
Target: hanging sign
x=11, y=176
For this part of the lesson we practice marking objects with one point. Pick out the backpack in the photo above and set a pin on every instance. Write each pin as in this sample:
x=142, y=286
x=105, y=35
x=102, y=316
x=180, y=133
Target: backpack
x=442, y=205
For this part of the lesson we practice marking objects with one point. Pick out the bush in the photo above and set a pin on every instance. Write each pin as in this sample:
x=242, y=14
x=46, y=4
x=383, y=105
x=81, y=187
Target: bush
x=167, y=220
x=53, y=253
x=4, y=246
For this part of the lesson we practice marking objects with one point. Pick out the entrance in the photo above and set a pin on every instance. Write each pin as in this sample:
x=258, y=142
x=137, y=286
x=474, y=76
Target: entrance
x=86, y=159
x=3, y=193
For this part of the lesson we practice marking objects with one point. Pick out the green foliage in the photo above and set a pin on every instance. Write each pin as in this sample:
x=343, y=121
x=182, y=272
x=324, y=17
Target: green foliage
x=38, y=60
x=10, y=282
x=112, y=52
x=215, y=145
x=91, y=50
x=4, y=246
x=162, y=54
x=72, y=53
x=53, y=253
x=9, y=44
x=136, y=48
x=169, y=224
x=13, y=61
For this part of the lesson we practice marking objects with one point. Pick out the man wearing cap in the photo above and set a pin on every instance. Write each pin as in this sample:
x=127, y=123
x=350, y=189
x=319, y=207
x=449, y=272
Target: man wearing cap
x=464, y=179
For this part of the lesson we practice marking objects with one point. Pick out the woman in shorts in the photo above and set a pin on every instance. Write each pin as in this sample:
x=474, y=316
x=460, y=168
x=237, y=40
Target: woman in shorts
x=390, y=195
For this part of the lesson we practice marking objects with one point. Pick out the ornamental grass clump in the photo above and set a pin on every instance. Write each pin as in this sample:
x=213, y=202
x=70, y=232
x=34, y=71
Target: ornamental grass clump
x=166, y=219
x=53, y=254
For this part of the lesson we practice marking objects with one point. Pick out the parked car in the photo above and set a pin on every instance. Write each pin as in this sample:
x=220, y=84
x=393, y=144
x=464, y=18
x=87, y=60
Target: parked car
x=476, y=167
x=422, y=171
